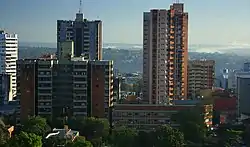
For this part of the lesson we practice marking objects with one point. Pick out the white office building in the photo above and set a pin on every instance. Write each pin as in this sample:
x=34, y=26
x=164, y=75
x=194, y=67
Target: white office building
x=8, y=57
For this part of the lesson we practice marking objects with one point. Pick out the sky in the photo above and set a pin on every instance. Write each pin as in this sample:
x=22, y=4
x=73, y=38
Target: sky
x=210, y=21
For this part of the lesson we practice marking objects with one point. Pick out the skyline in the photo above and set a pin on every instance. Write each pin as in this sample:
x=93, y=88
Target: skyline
x=210, y=22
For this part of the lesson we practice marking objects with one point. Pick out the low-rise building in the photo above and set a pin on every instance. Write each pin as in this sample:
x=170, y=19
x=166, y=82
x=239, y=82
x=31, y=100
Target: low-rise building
x=225, y=110
x=148, y=116
x=64, y=133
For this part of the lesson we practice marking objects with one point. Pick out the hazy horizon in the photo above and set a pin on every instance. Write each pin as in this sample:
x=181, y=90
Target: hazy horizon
x=210, y=22
x=240, y=49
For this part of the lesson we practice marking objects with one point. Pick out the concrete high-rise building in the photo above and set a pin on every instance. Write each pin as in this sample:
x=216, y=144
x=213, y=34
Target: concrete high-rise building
x=86, y=35
x=165, y=54
x=100, y=86
x=246, y=67
x=8, y=57
x=223, y=78
x=232, y=78
x=200, y=76
x=242, y=90
x=54, y=88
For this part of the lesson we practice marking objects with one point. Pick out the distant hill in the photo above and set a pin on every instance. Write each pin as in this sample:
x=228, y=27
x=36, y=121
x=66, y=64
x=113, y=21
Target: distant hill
x=131, y=60
x=239, y=49
x=37, y=44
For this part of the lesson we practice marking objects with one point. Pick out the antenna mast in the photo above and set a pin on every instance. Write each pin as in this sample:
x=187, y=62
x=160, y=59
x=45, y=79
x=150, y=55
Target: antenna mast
x=176, y=1
x=80, y=7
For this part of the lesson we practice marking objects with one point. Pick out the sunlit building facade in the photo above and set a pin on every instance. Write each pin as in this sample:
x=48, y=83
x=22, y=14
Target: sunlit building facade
x=165, y=54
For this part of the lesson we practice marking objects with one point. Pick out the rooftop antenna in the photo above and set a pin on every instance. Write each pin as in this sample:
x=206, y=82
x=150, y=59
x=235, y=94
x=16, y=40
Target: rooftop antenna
x=176, y=1
x=80, y=7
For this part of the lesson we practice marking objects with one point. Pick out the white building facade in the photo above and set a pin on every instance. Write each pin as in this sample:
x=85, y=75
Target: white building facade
x=8, y=57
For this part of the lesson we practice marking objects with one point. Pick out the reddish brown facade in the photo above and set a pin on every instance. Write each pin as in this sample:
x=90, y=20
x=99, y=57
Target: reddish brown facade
x=26, y=81
x=101, y=88
x=97, y=91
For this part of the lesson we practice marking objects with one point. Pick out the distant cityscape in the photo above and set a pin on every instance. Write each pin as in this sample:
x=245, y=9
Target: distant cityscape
x=136, y=86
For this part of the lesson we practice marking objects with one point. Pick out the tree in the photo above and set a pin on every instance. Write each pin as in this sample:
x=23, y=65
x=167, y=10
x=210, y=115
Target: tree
x=246, y=135
x=58, y=122
x=124, y=137
x=80, y=142
x=191, y=124
x=36, y=125
x=95, y=130
x=228, y=138
x=4, y=136
x=25, y=140
x=53, y=141
x=144, y=139
x=9, y=119
x=165, y=136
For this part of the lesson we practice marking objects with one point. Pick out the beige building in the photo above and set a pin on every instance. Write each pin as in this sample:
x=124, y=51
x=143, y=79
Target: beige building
x=165, y=54
x=200, y=76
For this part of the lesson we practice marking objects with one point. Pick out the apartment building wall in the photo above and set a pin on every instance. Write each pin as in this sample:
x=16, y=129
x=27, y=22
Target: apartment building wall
x=232, y=78
x=5, y=88
x=117, y=89
x=101, y=83
x=26, y=89
x=95, y=40
x=8, y=57
x=59, y=88
x=148, y=116
x=246, y=67
x=200, y=76
x=165, y=37
x=45, y=87
x=242, y=90
x=66, y=50
x=86, y=35
x=178, y=42
x=81, y=88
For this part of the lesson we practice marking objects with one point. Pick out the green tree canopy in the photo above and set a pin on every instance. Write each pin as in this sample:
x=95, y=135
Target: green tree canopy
x=95, y=130
x=124, y=137
x=229, y=138
x=36, y=125
x=80, y=142
x=166, y=136
x=246, y=135
x=25, y=140
x=144, y=139
x=2, y=123
x=191, y=124
x=53, y=141
x=4, y=135
x=59, y=122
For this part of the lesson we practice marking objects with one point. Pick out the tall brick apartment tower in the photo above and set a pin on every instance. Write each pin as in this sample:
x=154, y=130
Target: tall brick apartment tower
x=165, y=54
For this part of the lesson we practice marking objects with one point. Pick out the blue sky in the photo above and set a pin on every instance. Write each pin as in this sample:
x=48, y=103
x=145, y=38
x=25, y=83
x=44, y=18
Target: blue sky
x=210, y=21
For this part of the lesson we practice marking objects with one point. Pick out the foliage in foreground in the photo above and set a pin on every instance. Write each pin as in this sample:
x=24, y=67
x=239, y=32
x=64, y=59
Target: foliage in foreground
x=25, y=140
x=190, y=133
